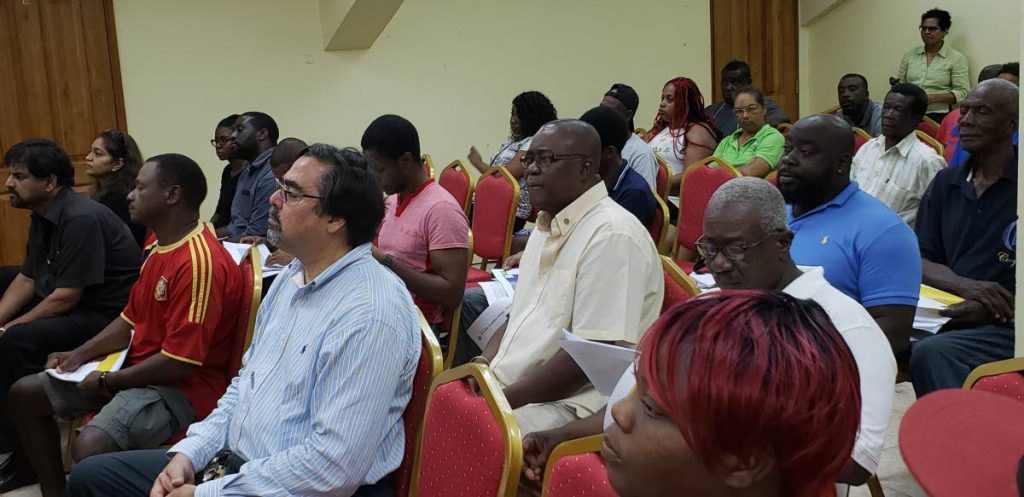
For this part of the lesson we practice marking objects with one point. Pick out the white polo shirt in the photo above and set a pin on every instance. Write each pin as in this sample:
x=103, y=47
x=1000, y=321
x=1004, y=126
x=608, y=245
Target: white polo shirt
x=591, y=269
x=870, y=348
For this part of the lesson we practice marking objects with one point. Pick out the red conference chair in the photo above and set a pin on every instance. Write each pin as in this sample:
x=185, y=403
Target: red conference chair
x=1003, y=377
x=663, y=178
x=929, y=127
x=679, y=287
x=931, y=142
x=470, y=445
x=576, y=469
x=427, y=369
x=700, y=181
x=860, y=137
x=456, y=179
x=494, y=217
x=659, y=224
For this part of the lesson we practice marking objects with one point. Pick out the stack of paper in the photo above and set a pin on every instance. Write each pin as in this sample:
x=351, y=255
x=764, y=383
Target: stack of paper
x=502, y=286
x=112, y=362
x=930, y=302
x=603, y=364
x=239, y=250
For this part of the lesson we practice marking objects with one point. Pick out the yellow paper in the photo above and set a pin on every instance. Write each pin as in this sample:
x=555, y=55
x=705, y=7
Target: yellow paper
x=944, y=298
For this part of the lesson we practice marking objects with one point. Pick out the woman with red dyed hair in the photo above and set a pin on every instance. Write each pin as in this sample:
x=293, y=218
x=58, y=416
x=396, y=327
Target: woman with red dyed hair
x=682, y=132
x=738, y=393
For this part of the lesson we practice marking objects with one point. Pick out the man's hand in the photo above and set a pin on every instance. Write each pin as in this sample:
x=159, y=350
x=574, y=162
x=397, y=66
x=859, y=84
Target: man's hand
x=177, y=475
x=512, y=261
x=537, y=447
x=966, y=314
x=184, y=491
x=996, y=300
x=64, y=361
x=252, y=240
x=279, y=258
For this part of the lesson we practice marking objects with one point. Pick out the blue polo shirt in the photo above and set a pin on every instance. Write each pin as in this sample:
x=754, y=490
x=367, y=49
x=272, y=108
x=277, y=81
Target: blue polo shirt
x=974, y=236
x=251, y=205
x=867, y=251
x=634, y=194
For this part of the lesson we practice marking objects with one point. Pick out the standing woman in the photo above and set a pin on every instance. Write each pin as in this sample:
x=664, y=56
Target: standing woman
x=755, y=147
x=937, y=68
x=113, y=163
x=682, y=133
x=530, y=111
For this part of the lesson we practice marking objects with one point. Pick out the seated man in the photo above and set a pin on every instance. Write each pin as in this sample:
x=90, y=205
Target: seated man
x=324, y=423
x=855, y=106
x=636, y=152
x=746, y=244
x=625, y=186
x=80, y=263
x=949, y=132
x=285, y=154
x=896, y=167
x=589, y=268
x=425, y=235
x=866, y=250
x=254, y=137
x=183, y=309
x=967, y=228
x=736, y=75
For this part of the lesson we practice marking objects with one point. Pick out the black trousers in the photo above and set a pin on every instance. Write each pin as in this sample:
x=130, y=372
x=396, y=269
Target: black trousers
x=25, y=347
x=132, y=473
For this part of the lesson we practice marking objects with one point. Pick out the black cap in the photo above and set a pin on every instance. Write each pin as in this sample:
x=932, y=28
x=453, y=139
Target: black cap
x=625, y=94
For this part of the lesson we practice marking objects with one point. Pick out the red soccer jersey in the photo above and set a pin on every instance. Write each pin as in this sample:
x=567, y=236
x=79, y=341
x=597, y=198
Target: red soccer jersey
x=185, y=306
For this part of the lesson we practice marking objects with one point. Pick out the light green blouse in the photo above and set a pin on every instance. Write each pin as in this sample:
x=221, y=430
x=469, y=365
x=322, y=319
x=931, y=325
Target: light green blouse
x=766, y=144
x=946, y=74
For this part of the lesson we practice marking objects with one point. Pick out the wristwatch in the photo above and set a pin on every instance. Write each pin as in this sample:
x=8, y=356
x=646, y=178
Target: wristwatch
x=103, y=382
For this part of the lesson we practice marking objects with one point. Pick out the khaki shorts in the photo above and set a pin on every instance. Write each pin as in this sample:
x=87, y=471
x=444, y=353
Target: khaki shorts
x=136, y=418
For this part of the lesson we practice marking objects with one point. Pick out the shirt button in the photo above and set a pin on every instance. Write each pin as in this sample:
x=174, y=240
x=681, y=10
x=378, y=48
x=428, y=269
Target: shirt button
x=565, y=221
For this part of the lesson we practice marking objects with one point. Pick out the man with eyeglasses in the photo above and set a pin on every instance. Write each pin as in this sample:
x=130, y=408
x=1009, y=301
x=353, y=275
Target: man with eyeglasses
x=867, y=251
x=589, y=267
x=746, y=246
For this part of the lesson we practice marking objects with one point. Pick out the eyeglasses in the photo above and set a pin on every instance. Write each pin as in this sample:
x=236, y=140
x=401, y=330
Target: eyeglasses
x=290, y=195
x=749, y=110
x=545, y=159
x=219, y=142
x=735, y=252
x=929, y=29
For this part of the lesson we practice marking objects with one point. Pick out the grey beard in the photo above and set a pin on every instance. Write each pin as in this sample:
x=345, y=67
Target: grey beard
x=273, y=236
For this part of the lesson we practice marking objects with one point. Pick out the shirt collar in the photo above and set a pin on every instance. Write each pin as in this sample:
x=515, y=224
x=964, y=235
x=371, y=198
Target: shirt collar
x=403, y=203
x=808, y=283
x=56, y=207
x=354, y=256
x=904, y=145
x=943, y=52
x=1009, y=172
x=622, y=176
x=566, y=219
x=838, y=200
x=261, y=160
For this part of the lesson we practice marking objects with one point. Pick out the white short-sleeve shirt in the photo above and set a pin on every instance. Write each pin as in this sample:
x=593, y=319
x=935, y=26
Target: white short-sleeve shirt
x=897, y=177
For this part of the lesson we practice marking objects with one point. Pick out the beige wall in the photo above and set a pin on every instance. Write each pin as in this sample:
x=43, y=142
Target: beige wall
x=870, y=36
x=450, y=66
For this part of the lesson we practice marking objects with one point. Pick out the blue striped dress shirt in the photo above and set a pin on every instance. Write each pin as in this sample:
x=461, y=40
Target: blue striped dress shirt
x=317, y=407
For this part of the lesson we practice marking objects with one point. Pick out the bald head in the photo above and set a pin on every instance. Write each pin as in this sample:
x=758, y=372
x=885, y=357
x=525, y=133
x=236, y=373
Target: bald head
x=554, y=184
x=815, y=165
x=998, y=93
x=831, y=133
x=989, y=117
x=284, y=155
x=990, y=71
x=576, y=136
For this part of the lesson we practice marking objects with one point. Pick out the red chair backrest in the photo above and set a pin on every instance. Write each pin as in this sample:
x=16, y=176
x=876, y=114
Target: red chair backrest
x=463, y=452
x=858, y=141
x=929, y=127
x=428, y=367
x=579, y=475
x=494, y=214
x=661, y=179
x=248, y=303
x=659, y=222
x=1009, y=384
x=674, y=294
x=699, y=184
x=455, y=178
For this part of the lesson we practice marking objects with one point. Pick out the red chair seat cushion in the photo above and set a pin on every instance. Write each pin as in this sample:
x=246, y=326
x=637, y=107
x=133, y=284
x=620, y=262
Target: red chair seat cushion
x=1008, y=384
x=477, y=275
x=581, y=475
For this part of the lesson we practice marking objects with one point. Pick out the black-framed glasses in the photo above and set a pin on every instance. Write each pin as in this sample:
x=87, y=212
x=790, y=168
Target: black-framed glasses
x=733, y=252
x=545, y=159
x=290, y=195
x=929, y=29
x=218, y=142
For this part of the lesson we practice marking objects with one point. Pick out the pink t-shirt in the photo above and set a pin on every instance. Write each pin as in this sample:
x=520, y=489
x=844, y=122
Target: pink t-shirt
x=429, y=220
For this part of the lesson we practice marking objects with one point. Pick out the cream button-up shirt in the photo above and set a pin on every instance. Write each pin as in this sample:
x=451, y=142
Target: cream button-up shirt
x=591, y=269
x=898, y=177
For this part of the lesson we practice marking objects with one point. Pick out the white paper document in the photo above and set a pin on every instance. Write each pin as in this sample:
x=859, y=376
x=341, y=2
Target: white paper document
x=239, y=250
x=112, y=362
x=705, y=281
x=602, y=363
x=929, y=303
x=494, y=316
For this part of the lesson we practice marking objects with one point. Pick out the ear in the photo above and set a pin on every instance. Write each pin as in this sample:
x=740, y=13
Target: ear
x=336, y=224
x=117, y=165
x=785, y=241
x=51, y=183
x=262, y=134
x=173, y=195
x=742, y=474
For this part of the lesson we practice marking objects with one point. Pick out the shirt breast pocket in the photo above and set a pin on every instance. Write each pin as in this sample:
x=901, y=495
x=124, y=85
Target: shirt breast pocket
x=557, y=296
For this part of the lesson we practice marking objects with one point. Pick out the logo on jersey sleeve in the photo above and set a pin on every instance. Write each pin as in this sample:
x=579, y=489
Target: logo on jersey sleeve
x=161, y=290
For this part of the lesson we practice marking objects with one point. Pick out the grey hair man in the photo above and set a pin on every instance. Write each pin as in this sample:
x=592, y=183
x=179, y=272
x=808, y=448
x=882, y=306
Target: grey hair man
x=746, y=245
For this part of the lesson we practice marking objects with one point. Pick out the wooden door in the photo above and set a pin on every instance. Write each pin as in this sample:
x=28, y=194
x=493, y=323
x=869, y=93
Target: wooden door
x=59, y=79
x=765, y=34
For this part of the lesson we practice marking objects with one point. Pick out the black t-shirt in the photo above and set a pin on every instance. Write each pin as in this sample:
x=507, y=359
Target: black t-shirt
x=79, y=243
x=975, y=237
x=228, y=184
x=118, y=202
